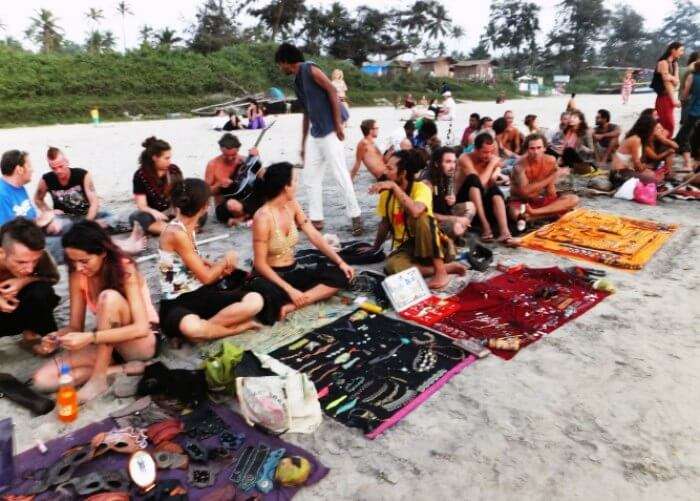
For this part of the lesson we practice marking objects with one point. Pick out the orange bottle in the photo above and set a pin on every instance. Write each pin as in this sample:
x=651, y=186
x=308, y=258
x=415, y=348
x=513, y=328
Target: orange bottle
x=67, y=397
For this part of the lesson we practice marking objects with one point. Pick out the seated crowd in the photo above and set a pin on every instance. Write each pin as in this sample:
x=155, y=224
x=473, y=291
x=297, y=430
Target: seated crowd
x=496, y=182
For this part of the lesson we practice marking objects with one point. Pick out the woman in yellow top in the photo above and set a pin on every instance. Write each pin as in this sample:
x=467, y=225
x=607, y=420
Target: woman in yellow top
x=283, y=284
x=406, y=208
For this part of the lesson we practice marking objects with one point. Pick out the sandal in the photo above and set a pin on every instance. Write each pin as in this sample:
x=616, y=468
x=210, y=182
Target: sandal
x=486, y=237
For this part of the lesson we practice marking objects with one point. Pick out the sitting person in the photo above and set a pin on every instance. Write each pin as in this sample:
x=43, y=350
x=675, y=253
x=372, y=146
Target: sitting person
x=367, y=151
x=406, y=208
x=511, y=139
x=628, y=159
x=106, y=282
x=453, y=212
x=153, y=182
x=533, y=185
x=400, y=139
x=434, y=108
x=27, y=276
x=199, y=300
x=409, y=102
x=233, y=122
x=482, y=176
x=74, y=199
x=485, y=125
x=508, y=156
x=556, y=139
x=256, y=117
x=474, y=124
x=224, y=174
x=577, y=153
x=427, y=136
x=606, y=137
x=218, y=121
x=283, y=285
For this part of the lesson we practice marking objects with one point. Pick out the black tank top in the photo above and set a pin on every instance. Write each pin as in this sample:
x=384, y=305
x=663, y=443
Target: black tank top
x=70, y=198
x=657, y=81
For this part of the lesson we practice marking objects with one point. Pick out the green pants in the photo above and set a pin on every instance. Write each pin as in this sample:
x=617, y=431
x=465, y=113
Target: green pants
x=426, y=243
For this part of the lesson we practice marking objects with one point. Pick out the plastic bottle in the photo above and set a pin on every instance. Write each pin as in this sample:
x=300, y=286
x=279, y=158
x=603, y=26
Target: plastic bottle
x=67, y=397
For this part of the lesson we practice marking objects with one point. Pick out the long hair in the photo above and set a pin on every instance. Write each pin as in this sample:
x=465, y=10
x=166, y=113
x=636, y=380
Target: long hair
x=435, y=173
x=671, y=47
x=643, y=127
x=90, y=237
x=582, y=126
x=154, y=147
x=411, y=162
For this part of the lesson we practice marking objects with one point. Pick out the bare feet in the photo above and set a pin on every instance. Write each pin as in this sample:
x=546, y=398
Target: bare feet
x=439, y=281
x=286, y=310
x=131, y=368
x=508, y=240
x=94, y=388
x=456, y=268
x=135, y=243
x=487, y=236
x=250, y=325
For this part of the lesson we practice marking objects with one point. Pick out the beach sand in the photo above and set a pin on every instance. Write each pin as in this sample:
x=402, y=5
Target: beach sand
x=604, y=408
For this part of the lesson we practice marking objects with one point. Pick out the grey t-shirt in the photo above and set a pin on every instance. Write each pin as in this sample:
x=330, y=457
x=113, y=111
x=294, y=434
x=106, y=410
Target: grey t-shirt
x=315, y=101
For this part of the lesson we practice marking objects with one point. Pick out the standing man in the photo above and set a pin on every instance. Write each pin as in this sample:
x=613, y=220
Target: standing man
x=606, y=137
x=27, y=275
x=323, y=120
x=368, y=153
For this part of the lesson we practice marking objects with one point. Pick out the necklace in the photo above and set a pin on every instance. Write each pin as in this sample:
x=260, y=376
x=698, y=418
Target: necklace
x=425, y=360
x=376, y=394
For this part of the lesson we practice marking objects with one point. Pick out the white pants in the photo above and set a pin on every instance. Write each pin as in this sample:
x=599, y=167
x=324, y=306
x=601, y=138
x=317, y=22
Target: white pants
x=323, y=152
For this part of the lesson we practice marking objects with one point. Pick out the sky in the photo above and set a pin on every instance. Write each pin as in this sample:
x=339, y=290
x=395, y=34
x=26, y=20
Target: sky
x=472, y=16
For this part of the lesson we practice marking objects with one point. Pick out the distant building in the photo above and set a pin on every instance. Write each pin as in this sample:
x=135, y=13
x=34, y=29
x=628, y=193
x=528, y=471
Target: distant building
x=398, y=68
x=377, y=69
x=478, y=69
x=439, y=67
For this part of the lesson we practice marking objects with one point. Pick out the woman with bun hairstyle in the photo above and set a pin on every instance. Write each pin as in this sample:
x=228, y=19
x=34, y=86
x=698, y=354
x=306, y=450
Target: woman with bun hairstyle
x=105, y=281
x=406, y=208
x=284, y=285
x=200, y=300
x=153, y=183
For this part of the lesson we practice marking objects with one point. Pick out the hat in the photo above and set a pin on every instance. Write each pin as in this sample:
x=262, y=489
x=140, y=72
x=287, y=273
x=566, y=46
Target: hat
x=447, y=93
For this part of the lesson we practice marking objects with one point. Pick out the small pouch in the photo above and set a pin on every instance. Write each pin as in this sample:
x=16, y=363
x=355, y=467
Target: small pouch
x=164, y=431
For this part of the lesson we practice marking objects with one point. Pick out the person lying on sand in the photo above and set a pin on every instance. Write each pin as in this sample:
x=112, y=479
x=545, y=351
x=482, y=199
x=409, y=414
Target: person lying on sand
x=367, y=151
x=533, y=193
x=200, y=300
x=104, y=280
x=406, y=208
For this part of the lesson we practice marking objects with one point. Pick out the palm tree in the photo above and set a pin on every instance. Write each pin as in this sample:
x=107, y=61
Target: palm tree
x=167, y=38
x=438, y=22
x=3, y=26
x=145, y=35
x=98, y=42
x=95, y=15
x=44, y=31
x=125, y=10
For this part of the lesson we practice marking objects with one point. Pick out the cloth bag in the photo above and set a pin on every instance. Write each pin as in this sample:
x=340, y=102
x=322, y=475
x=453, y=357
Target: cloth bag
x=219, y=367
x=626, y=191
x=645, y=193
x=280, y=403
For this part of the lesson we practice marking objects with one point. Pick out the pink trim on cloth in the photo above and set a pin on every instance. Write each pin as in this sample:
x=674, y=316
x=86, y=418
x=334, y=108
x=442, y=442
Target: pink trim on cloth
x=413, y=404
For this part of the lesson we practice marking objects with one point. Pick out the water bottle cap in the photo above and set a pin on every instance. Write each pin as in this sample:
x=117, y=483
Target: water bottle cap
x=65, y=369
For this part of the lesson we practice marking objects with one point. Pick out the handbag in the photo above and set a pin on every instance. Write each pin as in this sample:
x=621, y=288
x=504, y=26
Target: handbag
x=23, y=395
x=645, y=193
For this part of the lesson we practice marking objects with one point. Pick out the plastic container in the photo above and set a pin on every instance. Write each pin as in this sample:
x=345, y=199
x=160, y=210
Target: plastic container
x=67, y=396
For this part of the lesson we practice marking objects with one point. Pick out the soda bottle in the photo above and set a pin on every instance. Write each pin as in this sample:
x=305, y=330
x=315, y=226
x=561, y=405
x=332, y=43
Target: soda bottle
x=67, y=397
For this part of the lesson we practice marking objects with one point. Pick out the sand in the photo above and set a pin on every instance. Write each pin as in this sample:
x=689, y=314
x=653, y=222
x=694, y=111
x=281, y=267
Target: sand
x=604, y=408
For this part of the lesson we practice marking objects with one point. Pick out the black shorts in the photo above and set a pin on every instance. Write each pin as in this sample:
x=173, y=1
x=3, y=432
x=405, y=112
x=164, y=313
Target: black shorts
x=251, y=202
x=204, y=302
x=487, y=195
x=301, y=277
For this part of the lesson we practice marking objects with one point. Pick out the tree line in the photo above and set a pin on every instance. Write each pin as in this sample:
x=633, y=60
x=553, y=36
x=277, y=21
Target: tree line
x=585, y=32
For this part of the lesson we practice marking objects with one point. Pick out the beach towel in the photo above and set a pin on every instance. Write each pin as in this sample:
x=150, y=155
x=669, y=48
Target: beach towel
x=616, y=241
x=32, y=459
x=526, y=303
x=370, y=370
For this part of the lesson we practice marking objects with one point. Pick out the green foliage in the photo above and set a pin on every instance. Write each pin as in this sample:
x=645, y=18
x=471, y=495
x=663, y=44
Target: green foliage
x=60, y=87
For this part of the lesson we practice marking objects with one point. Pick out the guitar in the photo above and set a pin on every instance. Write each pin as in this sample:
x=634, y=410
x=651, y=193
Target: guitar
x=245, y=176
